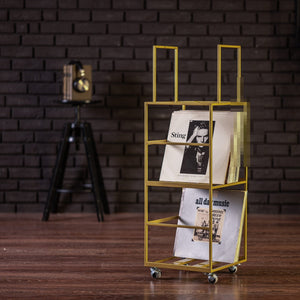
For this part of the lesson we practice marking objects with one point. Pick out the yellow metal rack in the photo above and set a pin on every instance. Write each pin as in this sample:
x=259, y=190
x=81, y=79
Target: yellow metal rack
x=209, y=267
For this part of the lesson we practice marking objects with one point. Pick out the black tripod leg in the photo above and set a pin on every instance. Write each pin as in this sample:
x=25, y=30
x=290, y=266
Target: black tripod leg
x=58, y=173
x=95, y=171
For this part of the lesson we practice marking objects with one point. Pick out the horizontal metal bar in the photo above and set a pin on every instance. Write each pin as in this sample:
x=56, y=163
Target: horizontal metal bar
x=194, y=185
x=162, y=222
x=176, y=225
x=178, y=184
x=228, y=265
x=184, y=261
x=215, y=187
x=198, y=267
x=203, y=264
x=176, y=267
x=197, y=103
x=229, y=46
x=164, y=219
x=165, y=142
x=165, y=259
x=165, y=47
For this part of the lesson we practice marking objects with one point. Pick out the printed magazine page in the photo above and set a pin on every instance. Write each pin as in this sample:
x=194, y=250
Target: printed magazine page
x=228, y=217
x=202, y=219
x=185, y=163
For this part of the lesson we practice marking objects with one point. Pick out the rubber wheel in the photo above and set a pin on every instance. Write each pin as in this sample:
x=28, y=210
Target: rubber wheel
x=212, y=278
x=155, y=273
x=232, y=269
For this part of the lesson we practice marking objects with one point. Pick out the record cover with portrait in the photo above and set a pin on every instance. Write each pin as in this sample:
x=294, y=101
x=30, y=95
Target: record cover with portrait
x=187, y=163
x=227, y=224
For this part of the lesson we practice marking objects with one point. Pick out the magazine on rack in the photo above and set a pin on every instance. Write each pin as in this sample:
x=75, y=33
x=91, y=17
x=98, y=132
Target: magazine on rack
x=186, y=163
x=227, y=217
x=237, y=148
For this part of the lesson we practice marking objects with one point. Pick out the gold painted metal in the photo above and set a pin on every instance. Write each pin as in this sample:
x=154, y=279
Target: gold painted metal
x=165, y=259
x=194, y=185
x=161, y=222
x=210, y=186
x=154, y=73
x=165, y=142
x=239, y=71
x=146, y=208
x=242, y=140
x=177, y=267
x=184, y=261
x=197, y=103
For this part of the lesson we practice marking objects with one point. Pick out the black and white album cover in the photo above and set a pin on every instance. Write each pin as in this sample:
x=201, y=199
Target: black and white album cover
x=227, y=224
x=188, y=163
x=195, y=158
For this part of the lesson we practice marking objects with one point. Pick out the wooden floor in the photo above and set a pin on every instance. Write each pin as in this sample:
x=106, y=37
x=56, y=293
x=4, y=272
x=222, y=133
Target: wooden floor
x=72, y=256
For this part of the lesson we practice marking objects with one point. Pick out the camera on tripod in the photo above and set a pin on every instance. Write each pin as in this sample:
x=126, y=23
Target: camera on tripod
x=77, y=91
x=77, y=84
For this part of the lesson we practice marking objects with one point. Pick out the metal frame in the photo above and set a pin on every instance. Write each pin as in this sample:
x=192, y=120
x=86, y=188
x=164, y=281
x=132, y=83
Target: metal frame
x=175, y=70
x=239, y=71
x=178, y=263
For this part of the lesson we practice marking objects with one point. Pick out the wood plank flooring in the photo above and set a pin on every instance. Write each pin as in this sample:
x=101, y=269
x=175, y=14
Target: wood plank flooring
x=72, y=256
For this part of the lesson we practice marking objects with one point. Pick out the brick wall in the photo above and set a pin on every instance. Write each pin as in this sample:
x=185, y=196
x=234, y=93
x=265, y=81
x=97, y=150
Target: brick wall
x=38, y=37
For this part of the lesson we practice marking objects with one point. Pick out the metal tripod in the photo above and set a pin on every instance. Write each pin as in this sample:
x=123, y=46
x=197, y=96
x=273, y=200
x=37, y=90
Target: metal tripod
x=76, y=132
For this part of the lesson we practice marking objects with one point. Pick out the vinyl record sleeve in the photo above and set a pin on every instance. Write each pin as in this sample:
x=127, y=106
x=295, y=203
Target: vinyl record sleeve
x=183, y=163
x=228, y=217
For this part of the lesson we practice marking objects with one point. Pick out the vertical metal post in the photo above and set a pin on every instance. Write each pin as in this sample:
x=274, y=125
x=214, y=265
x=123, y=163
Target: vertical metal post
x=176, y=75
x=246, y=164
x=219, y=66
x=239, y=75
x=239, y=71
x=210, y=185
x=154, y=71
x=154, y=74
x=146, y=165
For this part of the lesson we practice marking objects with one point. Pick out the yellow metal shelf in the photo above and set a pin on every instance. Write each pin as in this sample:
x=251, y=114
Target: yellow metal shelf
x=189, y=264
x=205, y=186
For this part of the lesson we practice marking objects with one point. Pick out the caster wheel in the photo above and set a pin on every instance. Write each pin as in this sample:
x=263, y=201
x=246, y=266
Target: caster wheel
x=212, y=278
x=232, y=269
x=155, y=272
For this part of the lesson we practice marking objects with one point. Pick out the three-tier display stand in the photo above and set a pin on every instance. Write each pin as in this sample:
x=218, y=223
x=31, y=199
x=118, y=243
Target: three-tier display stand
x=209, y=267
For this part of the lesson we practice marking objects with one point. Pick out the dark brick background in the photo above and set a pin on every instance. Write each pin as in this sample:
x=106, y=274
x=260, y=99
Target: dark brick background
x=38, y=37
